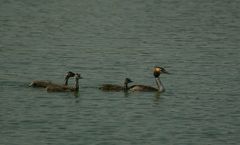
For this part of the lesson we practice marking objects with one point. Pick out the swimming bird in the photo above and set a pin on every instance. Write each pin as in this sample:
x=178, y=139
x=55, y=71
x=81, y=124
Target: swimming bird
x=67, y=76
x=156, y=73
x=45, y=83
x=110, y=87
x=63, y=88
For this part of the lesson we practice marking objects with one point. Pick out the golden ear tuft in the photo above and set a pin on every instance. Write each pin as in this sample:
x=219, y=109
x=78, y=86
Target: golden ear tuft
x=157, y=69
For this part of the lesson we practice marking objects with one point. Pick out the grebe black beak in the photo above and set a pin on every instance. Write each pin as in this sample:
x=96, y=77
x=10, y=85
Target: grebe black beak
x=77, y=75
x=128, y=80
x=164, y=71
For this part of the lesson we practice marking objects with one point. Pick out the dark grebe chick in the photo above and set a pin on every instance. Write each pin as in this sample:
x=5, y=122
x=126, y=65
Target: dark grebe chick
x=56, y=88
x=110, y=87
x=156, y=73
x=45, y=83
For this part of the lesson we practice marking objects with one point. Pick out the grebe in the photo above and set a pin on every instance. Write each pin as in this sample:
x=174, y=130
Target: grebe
x=45, y=83
x=67, y=76
x=63, y=88
x=110, y=87
x=160, y=88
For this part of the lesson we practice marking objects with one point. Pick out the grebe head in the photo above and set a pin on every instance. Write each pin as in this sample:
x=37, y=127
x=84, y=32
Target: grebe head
x=159, y=70
x=127, y=80
x=69, y=74
x=78, y=76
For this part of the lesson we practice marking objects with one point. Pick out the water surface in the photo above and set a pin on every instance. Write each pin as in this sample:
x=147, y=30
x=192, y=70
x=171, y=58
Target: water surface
x=106, y=41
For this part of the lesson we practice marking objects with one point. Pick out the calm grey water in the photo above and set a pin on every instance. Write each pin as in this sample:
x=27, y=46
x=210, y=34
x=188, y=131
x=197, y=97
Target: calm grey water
x=106, y=41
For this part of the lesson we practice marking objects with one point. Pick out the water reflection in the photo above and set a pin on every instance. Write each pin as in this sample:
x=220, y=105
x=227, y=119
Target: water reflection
x=76, y=94
x=157, y=98
x=126, y=93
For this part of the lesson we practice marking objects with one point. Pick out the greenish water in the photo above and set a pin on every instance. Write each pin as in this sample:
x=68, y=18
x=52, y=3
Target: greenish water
x=106, y=41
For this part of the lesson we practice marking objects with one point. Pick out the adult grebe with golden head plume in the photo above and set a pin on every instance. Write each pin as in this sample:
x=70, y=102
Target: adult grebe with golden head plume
x=156, y=73
x=110, y=87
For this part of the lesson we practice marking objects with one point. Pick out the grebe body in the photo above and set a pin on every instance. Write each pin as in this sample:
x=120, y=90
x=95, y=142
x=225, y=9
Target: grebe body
x=111, y=87
x=64, y=88
x=45, y=83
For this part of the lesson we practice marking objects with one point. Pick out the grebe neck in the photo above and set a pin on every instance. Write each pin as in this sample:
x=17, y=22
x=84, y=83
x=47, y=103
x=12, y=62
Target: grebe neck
x=77, y=85
x=66, y=82
x=159, y=85
x=125, y=87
